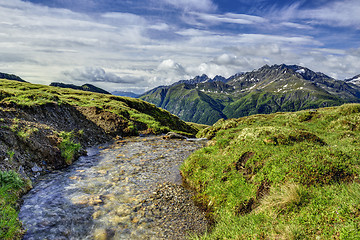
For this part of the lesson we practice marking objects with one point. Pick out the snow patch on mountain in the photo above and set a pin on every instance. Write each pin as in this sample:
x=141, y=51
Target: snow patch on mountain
x=301, y=71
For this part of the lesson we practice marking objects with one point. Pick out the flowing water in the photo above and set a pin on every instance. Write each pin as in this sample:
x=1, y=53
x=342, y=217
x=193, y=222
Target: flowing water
x=100, y=195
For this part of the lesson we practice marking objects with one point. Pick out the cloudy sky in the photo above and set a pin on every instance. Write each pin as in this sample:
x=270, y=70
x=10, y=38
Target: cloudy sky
x=135, y=45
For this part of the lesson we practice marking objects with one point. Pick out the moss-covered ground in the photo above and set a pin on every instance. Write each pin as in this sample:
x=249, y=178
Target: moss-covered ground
x=281, y=176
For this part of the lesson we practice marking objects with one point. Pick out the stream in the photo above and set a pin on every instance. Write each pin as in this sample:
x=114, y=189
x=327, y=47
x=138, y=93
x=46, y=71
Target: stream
x=109, y=194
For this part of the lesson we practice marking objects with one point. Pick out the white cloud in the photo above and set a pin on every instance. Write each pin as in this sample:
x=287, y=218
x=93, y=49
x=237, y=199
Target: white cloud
x=344, y=13
x=119, y=18
x=229, y=18
x=93, y=74
x=168, y=71
x=340, y=13
x=296, y=25
x=188, y=5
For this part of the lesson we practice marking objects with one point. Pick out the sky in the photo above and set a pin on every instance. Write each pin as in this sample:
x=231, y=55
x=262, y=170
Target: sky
x=136, y=45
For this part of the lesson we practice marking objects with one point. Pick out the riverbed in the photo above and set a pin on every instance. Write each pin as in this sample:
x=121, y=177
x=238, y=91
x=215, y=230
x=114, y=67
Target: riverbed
x=129, y=189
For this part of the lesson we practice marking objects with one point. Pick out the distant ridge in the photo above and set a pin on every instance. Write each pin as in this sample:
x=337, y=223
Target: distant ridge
x=125, y=94
x=86, y=87
x=11, y=77
x=269, y=89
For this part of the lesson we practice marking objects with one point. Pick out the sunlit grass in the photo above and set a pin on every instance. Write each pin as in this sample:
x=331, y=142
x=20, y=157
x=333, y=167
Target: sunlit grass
x=281, y=176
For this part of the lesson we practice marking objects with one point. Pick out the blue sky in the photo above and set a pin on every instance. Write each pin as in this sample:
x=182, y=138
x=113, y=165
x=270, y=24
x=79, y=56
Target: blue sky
x=137, y=45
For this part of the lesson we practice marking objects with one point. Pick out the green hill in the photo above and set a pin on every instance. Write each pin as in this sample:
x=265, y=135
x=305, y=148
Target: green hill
x=270, y=89
x=281, y=176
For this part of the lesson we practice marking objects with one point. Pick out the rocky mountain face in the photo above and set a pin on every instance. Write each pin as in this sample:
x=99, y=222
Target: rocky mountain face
x=86, y=87
x=269, y=89
x=355, y=80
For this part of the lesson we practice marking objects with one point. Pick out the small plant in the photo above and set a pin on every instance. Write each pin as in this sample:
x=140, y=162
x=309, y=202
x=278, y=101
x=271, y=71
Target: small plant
x=26, y=133
x=16, y=120
x=11, y=154
x=68, y=147
x=14, y=127
x=10, y=179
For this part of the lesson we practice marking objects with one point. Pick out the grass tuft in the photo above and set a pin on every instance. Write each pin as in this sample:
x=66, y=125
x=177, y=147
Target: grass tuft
x=68, y=147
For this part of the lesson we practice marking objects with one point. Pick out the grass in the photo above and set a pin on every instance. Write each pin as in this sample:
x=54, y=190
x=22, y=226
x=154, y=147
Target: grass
x=140, y=116
x=10, y=187
x=68, y=147
x=281, y=176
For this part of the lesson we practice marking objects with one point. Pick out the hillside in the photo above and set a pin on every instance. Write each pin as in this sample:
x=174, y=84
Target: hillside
x=86, y=87
x=33, y=118
x=281, y=176
x=277, y=88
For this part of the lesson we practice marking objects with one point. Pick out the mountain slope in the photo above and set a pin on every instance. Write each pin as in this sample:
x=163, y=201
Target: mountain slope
x=266, y=90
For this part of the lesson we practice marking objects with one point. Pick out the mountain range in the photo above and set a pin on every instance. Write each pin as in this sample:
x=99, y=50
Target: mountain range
x=269, y=89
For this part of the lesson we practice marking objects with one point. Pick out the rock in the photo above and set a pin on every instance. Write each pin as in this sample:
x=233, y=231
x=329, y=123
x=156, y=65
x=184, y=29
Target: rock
x=36, y=168
x=100, y=234
x=196, y=139
x=172, y=135
x=22, y=173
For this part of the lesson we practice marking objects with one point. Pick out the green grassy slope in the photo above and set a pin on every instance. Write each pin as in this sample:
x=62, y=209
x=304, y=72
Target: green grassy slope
x=281, y=176
x=141, y=117
x=188, y=103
